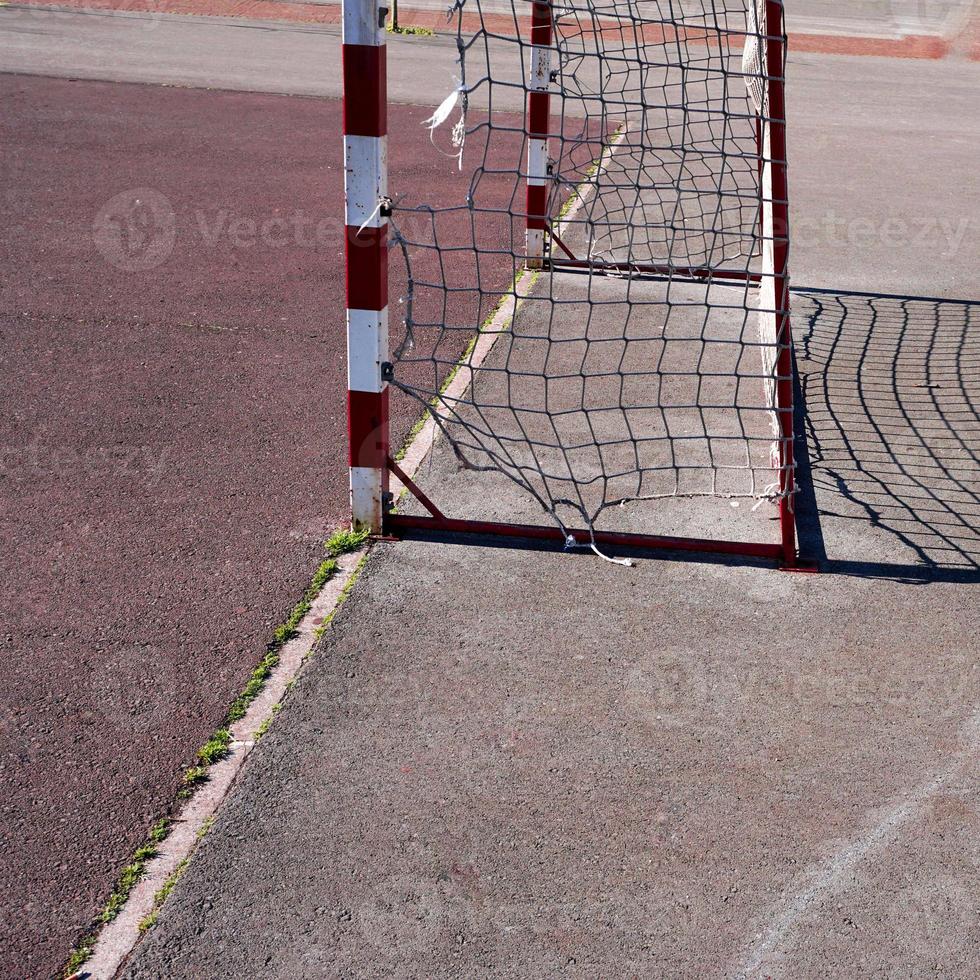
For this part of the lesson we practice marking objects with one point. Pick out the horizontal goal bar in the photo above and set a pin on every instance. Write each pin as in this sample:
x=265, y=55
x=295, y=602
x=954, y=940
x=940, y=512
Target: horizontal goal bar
x=688, y=272
x=746, y=549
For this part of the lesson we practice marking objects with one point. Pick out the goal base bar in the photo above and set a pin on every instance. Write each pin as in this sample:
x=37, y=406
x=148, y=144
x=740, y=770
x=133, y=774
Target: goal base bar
x=393, y=523
x=598, y=268
x=438, y=522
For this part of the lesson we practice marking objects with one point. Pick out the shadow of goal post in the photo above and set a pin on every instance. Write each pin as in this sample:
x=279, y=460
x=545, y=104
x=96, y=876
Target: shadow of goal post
x=366, y=254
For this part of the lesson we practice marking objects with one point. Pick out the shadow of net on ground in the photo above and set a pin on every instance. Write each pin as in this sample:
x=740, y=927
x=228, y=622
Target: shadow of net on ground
x=888, y=394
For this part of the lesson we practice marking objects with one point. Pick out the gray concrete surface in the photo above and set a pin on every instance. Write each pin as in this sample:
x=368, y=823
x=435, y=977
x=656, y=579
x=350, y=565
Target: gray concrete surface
x=884, y=196
x=303, y=59
x=211, y=52
x=527, y=763
x=680, y=770
x=297, y=59
x=223, y=53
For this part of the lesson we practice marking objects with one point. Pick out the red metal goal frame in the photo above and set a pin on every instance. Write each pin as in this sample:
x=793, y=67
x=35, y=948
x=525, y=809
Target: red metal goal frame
x=367, y=270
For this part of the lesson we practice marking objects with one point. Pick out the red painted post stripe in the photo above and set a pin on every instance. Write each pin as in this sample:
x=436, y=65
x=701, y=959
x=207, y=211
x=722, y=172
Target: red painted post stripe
x=367, y=267
x=541, y=24
x=537, y=206
x=367, y=428
x=365, y=84
x=538, y=114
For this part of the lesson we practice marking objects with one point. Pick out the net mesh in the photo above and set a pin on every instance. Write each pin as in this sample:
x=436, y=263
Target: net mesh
x=639, y=362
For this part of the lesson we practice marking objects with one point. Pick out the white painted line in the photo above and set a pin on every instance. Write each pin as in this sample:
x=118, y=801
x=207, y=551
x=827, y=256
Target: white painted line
x=837, y=872
x=119, y=938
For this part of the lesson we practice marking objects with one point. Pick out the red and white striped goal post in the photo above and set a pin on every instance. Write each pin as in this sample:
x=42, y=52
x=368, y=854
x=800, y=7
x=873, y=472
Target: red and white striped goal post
x=366, y=255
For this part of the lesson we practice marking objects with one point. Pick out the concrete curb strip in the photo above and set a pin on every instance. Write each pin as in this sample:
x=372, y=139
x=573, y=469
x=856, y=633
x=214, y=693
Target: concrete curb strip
x=120, y=937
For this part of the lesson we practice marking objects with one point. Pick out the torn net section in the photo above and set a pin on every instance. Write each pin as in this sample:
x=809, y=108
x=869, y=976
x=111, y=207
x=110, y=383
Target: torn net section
x=643, y=368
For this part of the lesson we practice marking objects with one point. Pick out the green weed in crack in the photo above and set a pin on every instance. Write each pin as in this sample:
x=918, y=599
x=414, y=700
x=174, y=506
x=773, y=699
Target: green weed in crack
x=216, y=748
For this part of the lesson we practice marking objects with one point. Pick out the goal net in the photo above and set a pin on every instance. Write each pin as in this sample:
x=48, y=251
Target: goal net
x=626, y=169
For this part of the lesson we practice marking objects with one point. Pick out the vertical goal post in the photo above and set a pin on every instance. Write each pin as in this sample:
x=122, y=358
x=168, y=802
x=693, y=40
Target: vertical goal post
x=773, y=127
x=365, y=115
x=538, y=127
x=676, y=207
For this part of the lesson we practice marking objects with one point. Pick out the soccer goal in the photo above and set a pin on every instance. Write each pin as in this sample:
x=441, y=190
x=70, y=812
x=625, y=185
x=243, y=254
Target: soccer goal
x=602, y=315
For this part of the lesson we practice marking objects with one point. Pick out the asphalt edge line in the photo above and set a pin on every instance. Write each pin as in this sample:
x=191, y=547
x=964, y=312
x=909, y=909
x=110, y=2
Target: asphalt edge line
x=119, y=937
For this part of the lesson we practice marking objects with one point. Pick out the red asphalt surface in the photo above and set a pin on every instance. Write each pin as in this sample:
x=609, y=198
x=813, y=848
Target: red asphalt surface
x=174, y=445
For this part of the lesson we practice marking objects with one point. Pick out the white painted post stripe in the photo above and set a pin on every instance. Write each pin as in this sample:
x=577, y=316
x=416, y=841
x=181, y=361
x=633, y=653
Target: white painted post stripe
x=361, y=23
x=535, y=244
x=365, y=497
x=537, y=162
x=367, y=347
x=363, y=477
x=365, y=179
x=540, y=80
